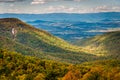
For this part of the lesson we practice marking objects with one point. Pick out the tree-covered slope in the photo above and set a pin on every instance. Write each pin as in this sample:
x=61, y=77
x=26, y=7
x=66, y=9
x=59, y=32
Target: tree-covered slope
x=14, y=66
x=33, y=37
x=31, y=41
x=106, y=44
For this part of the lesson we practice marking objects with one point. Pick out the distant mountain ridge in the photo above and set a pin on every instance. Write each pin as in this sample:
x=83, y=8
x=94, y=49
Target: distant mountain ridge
x=71, y=26
x=71, y=17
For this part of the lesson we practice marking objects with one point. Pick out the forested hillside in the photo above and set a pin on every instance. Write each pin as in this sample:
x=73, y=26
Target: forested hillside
x=29, y=40
x=106, y=44
x=14, y=66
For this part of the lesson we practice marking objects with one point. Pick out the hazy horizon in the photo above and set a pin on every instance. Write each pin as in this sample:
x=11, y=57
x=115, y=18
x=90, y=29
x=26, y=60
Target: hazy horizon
x=61, y=13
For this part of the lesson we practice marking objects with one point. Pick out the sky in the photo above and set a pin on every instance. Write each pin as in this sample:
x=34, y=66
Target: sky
x=59, y=6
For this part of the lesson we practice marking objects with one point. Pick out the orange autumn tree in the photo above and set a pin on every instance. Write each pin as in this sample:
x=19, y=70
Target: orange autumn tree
x=72, y=75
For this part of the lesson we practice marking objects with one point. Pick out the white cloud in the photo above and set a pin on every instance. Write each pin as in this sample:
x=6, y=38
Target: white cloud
x=116, y=8
x=103, y=8
x=60, y=8
x=45, y=1
x=38, y=2
x=13, y=10
x=11, y=5
x=77, y=0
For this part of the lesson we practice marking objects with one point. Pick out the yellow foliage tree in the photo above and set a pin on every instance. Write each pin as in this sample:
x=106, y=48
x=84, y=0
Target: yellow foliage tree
x=40, y=76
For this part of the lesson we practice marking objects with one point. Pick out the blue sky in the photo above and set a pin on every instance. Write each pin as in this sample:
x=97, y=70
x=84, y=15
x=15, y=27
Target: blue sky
x=59, y=6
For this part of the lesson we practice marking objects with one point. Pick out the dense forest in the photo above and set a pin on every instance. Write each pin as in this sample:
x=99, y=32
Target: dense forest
x=14, y=66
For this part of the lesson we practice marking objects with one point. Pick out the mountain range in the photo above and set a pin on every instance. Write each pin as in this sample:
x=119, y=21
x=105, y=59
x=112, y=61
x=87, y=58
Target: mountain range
x=72, y=27
x=71, y=17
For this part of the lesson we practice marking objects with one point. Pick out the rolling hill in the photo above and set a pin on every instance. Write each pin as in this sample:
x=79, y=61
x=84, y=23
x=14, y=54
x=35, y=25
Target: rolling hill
x=36, y=42
x=105, y=44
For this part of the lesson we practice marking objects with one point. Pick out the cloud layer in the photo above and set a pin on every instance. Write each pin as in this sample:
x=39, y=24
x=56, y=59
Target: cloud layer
x=46, y=1
x=59, y=6
x=11, y=0
x=37, y=1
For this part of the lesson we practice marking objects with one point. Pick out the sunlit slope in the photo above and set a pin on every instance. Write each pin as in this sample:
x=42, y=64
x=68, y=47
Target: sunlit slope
x=106, y=44
x=39, y=43
x=33, y=37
